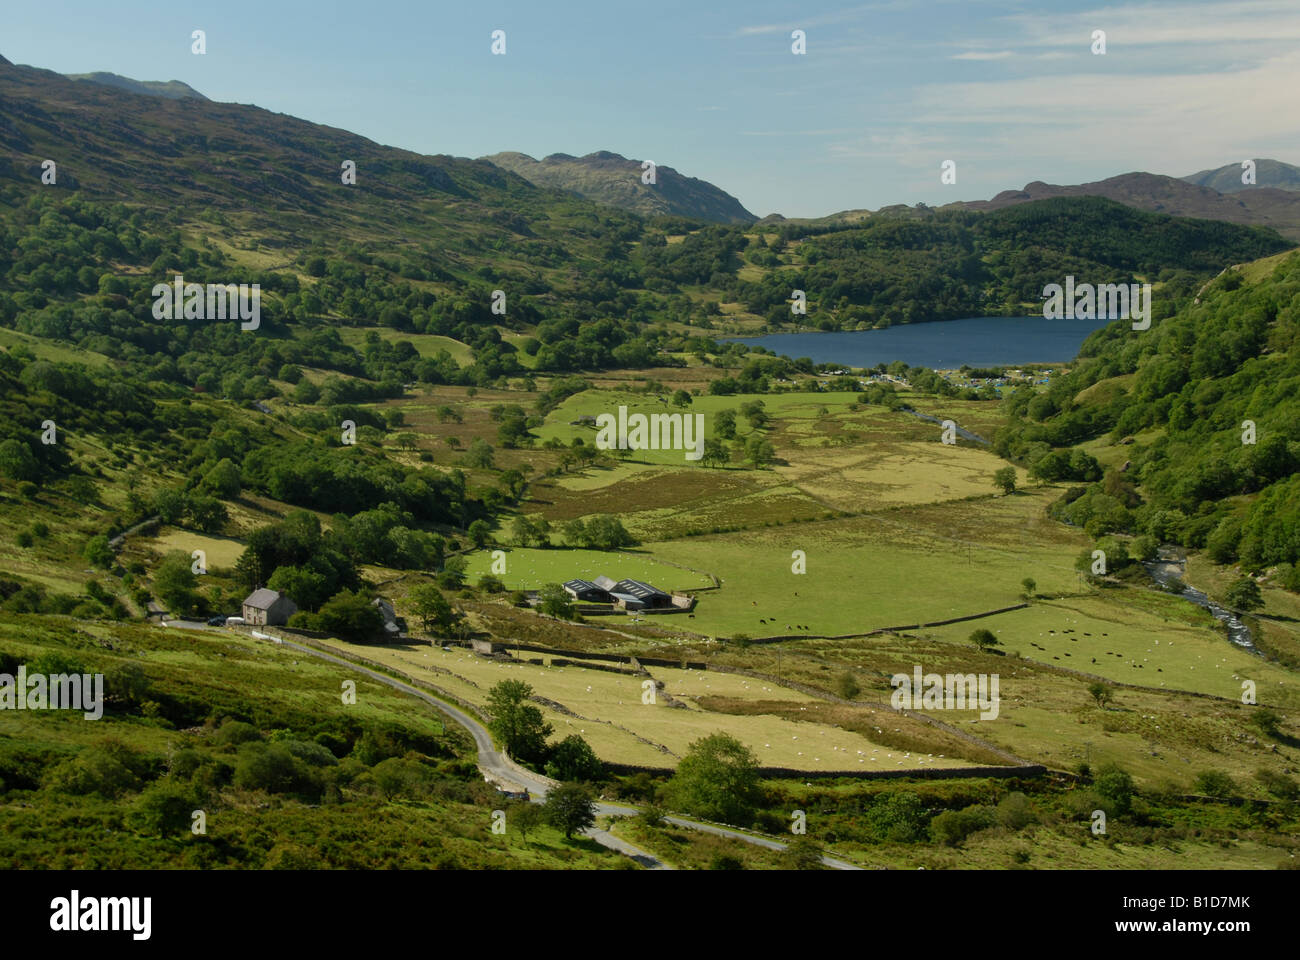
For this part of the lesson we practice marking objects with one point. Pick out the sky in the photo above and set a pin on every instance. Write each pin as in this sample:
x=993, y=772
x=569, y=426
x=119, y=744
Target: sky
x=1010, y=92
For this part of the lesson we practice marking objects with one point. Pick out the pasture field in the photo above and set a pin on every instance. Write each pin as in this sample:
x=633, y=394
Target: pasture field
x=1172, y=644
x=221, y=551
x=426, y=344
x=869, y=573
x=606, y=709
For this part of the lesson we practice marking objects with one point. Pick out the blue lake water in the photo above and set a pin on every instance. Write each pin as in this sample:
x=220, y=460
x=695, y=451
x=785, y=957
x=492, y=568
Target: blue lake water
x=942, y=345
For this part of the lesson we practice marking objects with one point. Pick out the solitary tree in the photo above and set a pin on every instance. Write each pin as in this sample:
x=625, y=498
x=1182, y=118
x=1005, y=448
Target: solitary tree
x=432, y=607
x=527, y=817
x=555, y=602
x=573, y=759
x=569, y=808
x=984, y=639
x=1244, y=594
x=1102, y=692
x=517, y=723
x=717, y=780
x=1030, y=585
x=1005, y=480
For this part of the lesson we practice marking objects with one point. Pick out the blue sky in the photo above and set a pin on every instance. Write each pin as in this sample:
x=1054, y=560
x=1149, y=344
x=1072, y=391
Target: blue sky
x=1010, y=91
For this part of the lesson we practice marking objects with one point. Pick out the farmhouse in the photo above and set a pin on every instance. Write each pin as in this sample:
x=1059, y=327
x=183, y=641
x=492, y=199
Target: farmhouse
x=267, y=608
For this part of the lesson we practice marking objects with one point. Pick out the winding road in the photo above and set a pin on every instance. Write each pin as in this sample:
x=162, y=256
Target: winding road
x=501, y=770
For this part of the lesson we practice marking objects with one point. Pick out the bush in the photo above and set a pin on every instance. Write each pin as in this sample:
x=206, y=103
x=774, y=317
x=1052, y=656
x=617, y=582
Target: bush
x=1214, y=783
x=108, y=769
x=953, y=826
x=273, y=768
x=234, y=732
x=1115, y=788
x=166, y=806
x=1014, y=812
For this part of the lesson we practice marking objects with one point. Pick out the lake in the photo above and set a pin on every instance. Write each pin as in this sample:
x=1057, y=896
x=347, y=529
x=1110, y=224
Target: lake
x=941, y=345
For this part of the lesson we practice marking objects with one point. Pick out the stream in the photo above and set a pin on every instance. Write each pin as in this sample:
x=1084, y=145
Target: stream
x=1167, y=570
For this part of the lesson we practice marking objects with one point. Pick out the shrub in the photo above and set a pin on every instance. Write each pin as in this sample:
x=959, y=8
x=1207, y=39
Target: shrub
x=1214, y=783
x=953, y=826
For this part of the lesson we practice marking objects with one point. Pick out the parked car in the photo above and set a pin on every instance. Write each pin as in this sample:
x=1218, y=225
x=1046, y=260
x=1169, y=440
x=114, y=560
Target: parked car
x=234, y=621
x=216, y=621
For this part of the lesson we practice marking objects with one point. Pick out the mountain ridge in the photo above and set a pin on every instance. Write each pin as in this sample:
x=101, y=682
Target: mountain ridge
x=609, y=177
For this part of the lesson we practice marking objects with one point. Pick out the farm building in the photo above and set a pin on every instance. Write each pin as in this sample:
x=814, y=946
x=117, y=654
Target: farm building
x=624, y=594
x=587, y=592
x=268, y=608
x=393, y=624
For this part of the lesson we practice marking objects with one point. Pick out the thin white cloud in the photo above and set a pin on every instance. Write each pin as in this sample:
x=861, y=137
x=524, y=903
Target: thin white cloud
x=983, y=55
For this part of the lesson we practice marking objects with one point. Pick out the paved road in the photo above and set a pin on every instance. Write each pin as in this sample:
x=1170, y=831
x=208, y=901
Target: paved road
x=500, y=770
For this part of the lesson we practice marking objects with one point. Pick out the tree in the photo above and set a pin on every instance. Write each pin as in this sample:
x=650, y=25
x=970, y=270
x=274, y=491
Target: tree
x=515, y=722
x=1244, y=594
x=1115, y=787
x=570, y=808
x=682, y=399
x=717, y=780
x=432, y=607
x=479, y=454
x=17, y=461
x=305, y=586
x=1030, y=585
x=573, y=759
x=1005, y=480
x=98, y=553
x=522, y=531
x=174, y=582
x=452, y=574
x=527, y=817
x=724, y=424
x=715, y=453
x=1102, y=692
x=984, y=639
x=759, y=451
x=351, y=616
x=480, y=533
x=223, y=480
x=556, y=602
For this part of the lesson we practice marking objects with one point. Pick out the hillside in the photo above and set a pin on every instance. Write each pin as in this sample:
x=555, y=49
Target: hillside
x=1268, y=173
x=613, y=179
x=1262, y=205
x=171, y=89
x=1193, y=474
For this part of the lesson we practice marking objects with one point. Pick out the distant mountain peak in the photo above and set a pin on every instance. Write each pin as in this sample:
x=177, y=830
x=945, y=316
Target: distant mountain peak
x=1208, y=195
x=171, y=89
x=608, y=177
x=1268, y=173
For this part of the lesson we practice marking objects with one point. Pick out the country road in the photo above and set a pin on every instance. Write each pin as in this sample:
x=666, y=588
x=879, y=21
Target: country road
x=502, y=771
